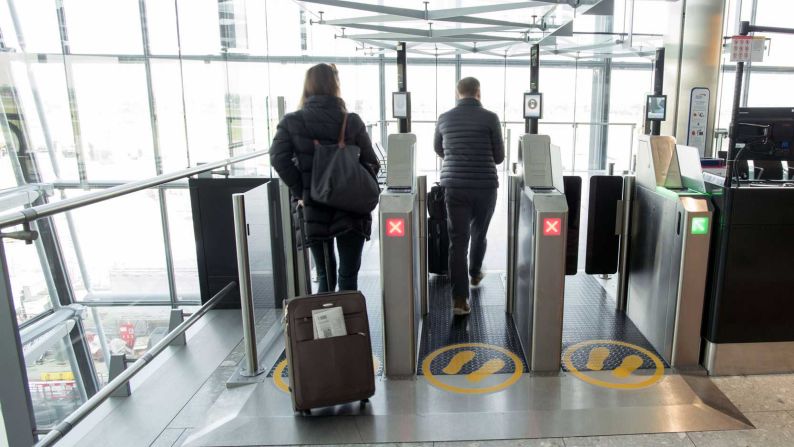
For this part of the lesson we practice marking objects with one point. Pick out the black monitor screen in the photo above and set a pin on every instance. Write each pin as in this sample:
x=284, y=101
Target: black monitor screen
x=656, y=108
x=765, y=133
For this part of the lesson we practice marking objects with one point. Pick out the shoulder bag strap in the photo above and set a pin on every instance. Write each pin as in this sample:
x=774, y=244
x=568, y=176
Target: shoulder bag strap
x=342, y=132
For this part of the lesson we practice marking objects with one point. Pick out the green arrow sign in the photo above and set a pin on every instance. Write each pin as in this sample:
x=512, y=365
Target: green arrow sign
x=700, y=225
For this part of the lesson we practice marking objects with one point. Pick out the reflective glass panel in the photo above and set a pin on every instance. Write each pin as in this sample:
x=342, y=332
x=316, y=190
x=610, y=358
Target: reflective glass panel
x=123, y=330
x=103, y=27
x=183, y=244
x=52, y=377
x=32, y=296
x=113, y=108
x=121, y=241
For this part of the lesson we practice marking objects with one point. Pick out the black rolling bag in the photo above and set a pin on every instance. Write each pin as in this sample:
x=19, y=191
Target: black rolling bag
x=437, y=246
x=333, y=370
x=437, y=236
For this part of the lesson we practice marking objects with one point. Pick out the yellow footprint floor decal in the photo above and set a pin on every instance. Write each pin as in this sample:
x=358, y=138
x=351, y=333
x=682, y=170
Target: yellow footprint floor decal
x=490, y=367
x=458, y=362
x=628, y=366
x=597, y=357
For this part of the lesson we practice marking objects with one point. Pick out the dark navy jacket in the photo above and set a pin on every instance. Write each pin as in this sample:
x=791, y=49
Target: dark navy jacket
x=292, y=153
x=469, y=139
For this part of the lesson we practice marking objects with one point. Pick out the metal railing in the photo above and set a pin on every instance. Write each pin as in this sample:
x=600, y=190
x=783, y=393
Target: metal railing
x=21, y=425
x=91, y=404
x=48, y=209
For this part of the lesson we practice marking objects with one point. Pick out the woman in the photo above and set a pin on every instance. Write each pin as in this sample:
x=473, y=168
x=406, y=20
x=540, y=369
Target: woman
x=320, y=118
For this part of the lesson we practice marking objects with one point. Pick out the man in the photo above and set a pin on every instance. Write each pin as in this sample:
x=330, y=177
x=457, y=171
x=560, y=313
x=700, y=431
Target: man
x=469, y=140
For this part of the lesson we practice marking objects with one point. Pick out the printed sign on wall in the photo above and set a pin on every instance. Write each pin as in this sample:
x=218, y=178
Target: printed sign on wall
x=699, y=99
x=748, y=48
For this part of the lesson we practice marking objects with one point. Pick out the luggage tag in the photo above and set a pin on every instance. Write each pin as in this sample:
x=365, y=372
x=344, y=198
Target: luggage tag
x=328, y=322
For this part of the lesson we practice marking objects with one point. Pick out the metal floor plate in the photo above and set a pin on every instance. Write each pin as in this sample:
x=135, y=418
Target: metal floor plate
x=590, y=315
x=416, y=411
x=487, y=324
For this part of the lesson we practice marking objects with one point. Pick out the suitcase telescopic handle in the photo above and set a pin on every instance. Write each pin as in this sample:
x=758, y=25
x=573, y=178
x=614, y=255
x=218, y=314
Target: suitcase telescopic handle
x=305, y=237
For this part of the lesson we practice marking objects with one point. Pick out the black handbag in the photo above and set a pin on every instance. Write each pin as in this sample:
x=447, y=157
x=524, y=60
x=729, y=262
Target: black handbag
x=339, y=180
x=436, y=207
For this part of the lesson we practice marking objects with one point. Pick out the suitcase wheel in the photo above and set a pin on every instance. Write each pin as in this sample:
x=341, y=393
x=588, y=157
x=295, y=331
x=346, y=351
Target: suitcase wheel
x=306, y=412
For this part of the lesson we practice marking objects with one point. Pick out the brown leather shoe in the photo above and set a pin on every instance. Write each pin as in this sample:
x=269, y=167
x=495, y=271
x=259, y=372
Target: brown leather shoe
x=477, y=279
x=461, y=307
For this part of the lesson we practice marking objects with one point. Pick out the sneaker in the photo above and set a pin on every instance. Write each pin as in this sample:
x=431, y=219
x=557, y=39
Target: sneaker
x=477, y=279
x=461, y=307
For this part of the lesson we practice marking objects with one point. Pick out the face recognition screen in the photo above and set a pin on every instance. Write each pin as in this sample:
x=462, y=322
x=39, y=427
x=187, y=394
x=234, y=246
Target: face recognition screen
x=656, y=108
x=533, y=105
x=400, y=104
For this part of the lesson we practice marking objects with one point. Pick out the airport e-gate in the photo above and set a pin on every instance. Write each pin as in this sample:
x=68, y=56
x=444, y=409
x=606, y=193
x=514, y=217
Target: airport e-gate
x=536, y=264
x=662, y=227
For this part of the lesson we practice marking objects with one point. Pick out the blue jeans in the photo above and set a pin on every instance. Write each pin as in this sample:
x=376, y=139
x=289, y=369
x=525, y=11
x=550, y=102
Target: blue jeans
x=350, y=245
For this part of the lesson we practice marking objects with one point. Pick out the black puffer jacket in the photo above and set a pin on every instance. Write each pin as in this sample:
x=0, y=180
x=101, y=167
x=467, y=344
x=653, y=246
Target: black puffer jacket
x=292, y=154
x=469, y=139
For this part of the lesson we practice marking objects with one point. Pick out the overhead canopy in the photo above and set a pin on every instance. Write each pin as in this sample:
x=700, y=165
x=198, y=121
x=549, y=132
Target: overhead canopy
x=564, y=27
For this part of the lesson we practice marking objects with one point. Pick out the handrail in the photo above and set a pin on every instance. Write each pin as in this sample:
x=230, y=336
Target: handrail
x=91, y=404
x=48, y=209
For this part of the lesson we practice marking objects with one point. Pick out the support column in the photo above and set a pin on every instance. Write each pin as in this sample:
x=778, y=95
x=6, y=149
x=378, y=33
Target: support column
x=602, y=81
x=15, y=403
x=693, y=52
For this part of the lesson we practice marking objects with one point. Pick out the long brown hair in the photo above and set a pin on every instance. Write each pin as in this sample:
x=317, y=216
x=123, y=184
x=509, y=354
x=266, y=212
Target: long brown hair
x=322, y=79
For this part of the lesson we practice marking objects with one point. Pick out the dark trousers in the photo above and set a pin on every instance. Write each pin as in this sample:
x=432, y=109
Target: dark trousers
x=350, y=245
x=469, y=213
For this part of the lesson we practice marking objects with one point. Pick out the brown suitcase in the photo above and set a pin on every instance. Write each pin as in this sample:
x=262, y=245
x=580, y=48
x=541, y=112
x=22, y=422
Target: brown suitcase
x=329, y=371
x=334, y=370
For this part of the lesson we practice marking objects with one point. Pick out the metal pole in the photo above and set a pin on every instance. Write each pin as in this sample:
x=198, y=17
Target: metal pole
x=625, y=242
x=727, y=212
x=655, y=127
x=421, y=196
x=513, y=194
x=531, y=124
x=737, y=92
x=71, y=94
x=384, y=127
x=251, y=367
x=91, y=404
x=749, y=65
x=508, y=150
x=402, y=83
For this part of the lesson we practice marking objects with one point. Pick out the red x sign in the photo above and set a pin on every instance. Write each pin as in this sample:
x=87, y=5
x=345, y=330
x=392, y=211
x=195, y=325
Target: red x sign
x=552, y=226
x=395, y=227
